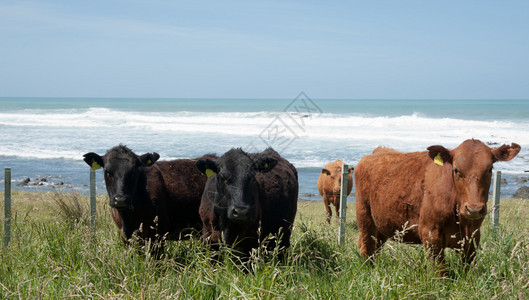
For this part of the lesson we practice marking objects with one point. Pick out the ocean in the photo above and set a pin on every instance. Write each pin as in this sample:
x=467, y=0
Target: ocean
x=47, y=137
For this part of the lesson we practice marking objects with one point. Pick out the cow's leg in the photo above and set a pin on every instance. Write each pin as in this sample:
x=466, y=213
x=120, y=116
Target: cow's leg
x=367, y=228
x=281, y=230
x=284, y=244
x=432, y=243
x=380, y=239
x=326, y=202
x=119, y=223
x=157, y=247
x=469, y=248
x=438, y=256
x=366, y=242
x=337, y=206
x=151, y=241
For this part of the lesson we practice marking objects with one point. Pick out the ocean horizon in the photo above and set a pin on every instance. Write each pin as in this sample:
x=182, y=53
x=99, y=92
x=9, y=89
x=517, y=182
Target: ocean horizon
x=47, y=137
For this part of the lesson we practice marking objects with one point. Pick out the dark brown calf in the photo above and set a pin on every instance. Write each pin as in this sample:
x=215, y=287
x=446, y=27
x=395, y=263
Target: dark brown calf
x=148, y=198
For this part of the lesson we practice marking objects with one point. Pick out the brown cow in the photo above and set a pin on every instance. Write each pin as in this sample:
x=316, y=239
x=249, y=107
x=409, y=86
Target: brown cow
x=330, y=185
x=438, y=196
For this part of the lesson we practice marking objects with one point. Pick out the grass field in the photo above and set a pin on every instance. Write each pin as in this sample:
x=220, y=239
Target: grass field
x=53, y=256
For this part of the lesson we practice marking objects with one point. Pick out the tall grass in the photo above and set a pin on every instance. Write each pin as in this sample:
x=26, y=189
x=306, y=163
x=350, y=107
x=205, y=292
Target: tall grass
x=71, y=207
x=53, y=257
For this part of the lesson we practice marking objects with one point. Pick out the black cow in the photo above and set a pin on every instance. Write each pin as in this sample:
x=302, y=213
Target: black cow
x=149, y=198
x=248, y=197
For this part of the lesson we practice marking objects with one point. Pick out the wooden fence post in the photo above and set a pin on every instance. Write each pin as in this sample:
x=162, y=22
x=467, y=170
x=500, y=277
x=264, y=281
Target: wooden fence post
x=496, y=194
x=93, y=200
x=343, y=204
x=7, y=207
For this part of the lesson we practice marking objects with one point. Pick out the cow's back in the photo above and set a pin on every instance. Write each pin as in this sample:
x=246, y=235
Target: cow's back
x=176, y=188
x=389, y=189
x=279, y=194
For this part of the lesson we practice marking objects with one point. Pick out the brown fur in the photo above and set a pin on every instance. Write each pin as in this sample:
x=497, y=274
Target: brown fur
x=381, y=149
x=173, y=190
x=438, y=206
x=330, y=185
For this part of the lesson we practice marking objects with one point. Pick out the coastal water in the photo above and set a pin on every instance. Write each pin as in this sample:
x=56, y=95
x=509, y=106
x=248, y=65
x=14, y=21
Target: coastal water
x=47, y=137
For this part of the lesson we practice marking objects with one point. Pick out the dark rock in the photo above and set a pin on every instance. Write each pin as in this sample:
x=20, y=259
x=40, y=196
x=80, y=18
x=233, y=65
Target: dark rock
x=24, y=182
x=503, y=181
x=522, y=192
x=492, y=143
x=308, y=194
x=522, y=180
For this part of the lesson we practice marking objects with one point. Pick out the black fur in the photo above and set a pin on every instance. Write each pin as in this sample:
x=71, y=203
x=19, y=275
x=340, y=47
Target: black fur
x=248, y=190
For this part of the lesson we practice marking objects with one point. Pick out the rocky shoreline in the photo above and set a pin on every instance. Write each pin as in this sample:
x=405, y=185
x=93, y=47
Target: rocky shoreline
x=45, y=180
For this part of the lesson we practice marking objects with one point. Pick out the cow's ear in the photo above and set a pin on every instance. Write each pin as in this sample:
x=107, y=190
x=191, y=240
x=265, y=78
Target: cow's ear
x=325, y=172
x=351, y=169
x=207, y=167
x=439, y=154
x=148, y=159
x=265, y=164
x=506, y=152
x=93, y=160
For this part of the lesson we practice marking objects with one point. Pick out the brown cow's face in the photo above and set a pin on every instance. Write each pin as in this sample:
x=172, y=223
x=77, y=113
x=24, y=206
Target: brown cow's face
x=471, y=172
x=332, y=180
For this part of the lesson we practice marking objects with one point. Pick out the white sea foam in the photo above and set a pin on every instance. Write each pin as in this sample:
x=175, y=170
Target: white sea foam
x=47, y=134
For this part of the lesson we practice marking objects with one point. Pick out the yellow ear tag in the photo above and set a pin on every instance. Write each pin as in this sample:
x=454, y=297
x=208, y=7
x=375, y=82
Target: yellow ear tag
x=324, y=174
x=266, y=165
x=149, y=162
x=95, y=165
x=438, y=160
x=209, y=172
x=506, y=155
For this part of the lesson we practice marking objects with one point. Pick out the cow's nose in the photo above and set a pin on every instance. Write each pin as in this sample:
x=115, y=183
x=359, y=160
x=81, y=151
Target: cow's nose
x=118, y=201
x=474, y=211
x=239, y=213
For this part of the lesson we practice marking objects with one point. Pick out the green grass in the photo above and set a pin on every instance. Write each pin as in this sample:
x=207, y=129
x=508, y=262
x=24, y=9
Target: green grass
x=54, y=256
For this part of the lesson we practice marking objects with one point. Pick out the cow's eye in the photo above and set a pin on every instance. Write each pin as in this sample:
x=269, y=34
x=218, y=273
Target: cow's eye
x=221, y=177
x=457, y=172
x=108, y=174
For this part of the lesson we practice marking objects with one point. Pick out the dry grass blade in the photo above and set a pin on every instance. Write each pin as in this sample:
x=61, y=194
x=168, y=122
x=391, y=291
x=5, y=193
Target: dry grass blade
x=72, y=207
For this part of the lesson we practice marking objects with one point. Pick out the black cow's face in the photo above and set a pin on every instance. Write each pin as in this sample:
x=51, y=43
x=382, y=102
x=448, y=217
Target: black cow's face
x=237, y=189
x=123, y=170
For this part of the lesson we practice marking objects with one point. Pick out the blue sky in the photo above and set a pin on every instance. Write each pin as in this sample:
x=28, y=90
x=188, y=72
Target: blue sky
x=265, y=49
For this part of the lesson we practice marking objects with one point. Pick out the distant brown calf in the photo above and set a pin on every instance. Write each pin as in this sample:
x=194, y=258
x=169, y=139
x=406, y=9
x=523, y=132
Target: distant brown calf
x=439, y=195
x=330, y=186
